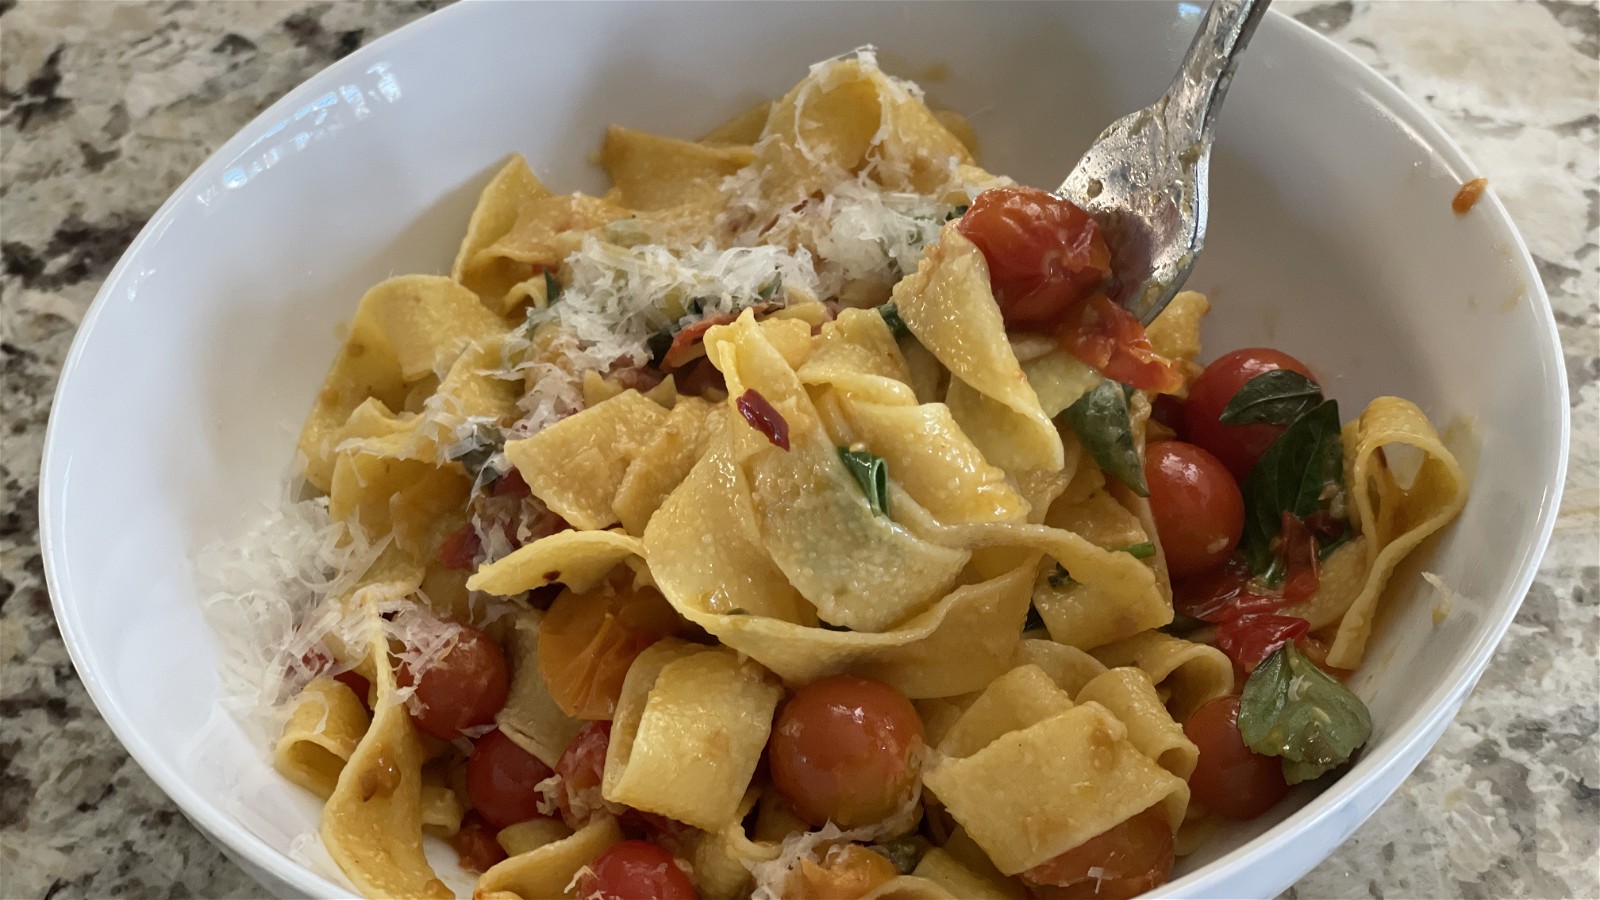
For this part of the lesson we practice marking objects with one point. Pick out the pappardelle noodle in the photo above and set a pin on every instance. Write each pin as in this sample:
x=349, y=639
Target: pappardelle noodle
x=801, y=519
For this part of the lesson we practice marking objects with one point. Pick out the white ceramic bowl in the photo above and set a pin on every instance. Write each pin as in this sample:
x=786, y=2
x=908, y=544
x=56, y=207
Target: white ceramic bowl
x=1331, y=237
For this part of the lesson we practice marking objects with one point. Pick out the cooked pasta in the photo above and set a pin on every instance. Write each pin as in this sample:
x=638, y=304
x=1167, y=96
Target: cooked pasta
x=797, y=513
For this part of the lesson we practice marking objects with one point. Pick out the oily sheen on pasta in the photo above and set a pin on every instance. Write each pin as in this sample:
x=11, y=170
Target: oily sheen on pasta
x=774, y=525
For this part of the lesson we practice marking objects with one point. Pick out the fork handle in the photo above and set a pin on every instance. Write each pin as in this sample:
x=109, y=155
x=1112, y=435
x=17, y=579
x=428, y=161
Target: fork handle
x=1196, y=92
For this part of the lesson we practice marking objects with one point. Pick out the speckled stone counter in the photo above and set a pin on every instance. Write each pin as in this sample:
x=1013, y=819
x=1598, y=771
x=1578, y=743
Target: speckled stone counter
x=106, y=107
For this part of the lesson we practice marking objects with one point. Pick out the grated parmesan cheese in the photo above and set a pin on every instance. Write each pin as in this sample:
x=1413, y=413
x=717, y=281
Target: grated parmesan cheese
x=267, y=595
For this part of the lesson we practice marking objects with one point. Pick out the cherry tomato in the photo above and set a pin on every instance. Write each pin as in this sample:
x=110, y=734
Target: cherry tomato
x=842, y=870
x=1238, y=446
x=1126, y=861
x=1222, y=594
x=462, y=689
x=844, y=749
x=1044, y=253
x=588, y=641
x=1251, y=638
x=475, y=844
x=459, y=549
x=635, y=870
x=511, y=484
x=1108, y=337
x=1197, y=508
x=502, y=779
x=1230, y=779
x=581, y=767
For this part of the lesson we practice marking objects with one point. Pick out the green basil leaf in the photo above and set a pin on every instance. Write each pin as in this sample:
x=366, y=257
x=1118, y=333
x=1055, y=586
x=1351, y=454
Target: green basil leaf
x=872, y=473
x=476, y=450
x=891, y=318
x=1140, y=551
x=956, y=212
x=1061, y=579
x=904, y=852
x=1292, y=709
x=1100, y=420
x=770, y=287
x=1277, y=397
x=1291, y=477
x=552, y=288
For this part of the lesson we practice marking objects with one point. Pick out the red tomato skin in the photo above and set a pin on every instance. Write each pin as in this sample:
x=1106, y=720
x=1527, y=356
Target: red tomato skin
x=1229, y=779
x=1131, y=858
x=1197, y=507
x=582, y=766
x=635, y=870
x=356, y=682
x=459, y=549
x=1251, y=638
x=844, y=749
x=1044, y=253
x=463, y=689
x=1238, y=446
x=1108, y=337
x=1222, y=594
x=476, y=847
x=502, y=780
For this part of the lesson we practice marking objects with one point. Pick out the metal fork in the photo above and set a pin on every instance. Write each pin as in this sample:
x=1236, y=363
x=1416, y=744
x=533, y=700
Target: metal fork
x=1145, y=178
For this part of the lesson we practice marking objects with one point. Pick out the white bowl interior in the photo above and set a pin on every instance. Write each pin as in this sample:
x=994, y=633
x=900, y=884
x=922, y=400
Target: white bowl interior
x=1331, y=237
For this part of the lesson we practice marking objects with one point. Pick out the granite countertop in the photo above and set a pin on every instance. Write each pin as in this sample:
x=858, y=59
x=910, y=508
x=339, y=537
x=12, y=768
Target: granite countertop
x=105, y=108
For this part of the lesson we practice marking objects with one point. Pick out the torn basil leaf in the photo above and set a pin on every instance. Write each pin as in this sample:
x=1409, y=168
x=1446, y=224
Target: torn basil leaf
x=1277, y=397
x=1292, y=476
x=1291, y=709
x=1143, y=550
x=552, y=288
x=475, y=452
x=872, y=473
x=1100, y=420
x=770, y=287
x=891, y=318
x=903, y=852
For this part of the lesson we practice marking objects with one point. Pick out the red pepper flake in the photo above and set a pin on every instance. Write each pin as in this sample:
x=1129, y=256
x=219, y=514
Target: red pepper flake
x=1467, y=197
x=764, y=418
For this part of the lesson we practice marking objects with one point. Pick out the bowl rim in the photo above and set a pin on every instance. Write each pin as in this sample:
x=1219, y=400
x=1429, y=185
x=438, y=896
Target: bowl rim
x=1434, y=713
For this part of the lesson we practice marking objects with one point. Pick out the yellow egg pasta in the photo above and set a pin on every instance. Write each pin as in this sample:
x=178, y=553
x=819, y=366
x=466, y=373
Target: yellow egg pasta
x=751, y=525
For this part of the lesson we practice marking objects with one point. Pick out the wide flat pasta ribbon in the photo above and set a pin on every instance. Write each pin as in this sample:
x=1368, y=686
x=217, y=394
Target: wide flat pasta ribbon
x=326, y=723
x=576, y=465
x=948, y=305
x=546, y=872
x=372, y=822
x=1031, y=775
x=1189, y=675
x=859, y=569
x=1392, y=518
x=690, y=728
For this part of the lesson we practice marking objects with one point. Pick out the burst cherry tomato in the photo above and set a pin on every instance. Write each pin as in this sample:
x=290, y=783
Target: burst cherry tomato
x=1223, y=594
x=1230, y=779
x=1197, y=508
x=1126, y=861
x=1238, y=446
x=462, y=689
x=1108, y=337
x=635, y=870
x=844, y=750
x=1044, y=253
x=1251, y=638
x=475, y=844
x=581, y=767
x=588, y=641
x=502, y=779
x=459, y=549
